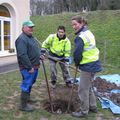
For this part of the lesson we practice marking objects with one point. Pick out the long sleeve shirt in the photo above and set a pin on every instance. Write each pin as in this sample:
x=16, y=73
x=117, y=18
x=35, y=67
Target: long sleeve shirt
x=28, y=52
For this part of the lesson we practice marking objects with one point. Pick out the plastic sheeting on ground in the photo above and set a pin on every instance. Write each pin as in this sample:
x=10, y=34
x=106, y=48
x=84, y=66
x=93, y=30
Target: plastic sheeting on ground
x=106, y=103
x=113, y=78
x=115, y=91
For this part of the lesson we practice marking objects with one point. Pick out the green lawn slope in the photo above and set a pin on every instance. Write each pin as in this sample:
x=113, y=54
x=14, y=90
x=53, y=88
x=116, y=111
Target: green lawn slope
x=106, y=27
x=104, y=24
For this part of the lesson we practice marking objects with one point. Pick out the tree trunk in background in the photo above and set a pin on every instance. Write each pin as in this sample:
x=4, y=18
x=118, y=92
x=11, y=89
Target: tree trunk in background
x=42, y=7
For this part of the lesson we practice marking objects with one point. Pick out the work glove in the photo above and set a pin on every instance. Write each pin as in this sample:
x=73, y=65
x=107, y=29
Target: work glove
x=66, y=60
x=67, y=64
x=42, y=53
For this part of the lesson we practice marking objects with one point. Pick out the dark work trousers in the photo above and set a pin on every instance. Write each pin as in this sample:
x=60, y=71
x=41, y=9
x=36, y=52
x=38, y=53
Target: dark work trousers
x=86, y=93
x=64, y=68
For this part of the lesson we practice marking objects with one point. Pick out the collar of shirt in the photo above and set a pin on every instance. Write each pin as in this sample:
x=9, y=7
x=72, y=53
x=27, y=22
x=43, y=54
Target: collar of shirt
x=62, y=37
x=84, y=28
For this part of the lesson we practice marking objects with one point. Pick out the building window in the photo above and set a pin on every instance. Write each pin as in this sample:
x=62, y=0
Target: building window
x=6, y=35
x=5, y=29
x=4, y=11
x=0, y=35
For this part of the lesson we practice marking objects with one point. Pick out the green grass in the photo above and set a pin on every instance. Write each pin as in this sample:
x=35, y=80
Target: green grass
x=105, y=26
x=10, y=99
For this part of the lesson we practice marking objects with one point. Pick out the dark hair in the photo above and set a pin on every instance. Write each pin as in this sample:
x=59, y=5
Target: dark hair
x=80, y=19
x=61, y=28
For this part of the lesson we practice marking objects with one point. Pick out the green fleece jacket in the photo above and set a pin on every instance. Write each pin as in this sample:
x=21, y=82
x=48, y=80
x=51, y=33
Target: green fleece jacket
x=28, y=51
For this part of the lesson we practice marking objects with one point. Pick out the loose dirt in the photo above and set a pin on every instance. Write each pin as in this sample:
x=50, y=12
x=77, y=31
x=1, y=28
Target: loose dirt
x=61, y=99
x=61, y=96
x=104, y=88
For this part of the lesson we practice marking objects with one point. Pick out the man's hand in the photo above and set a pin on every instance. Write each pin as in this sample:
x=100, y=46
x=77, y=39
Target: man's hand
x=31, y=71
x=42, y=53
x=66, y=59
x=66, y=64
x=42, y=57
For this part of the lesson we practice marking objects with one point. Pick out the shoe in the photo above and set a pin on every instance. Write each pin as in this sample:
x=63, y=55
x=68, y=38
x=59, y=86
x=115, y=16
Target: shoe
x=53, y=84
x=78, y=114
x=69, y=84
x=95, y=110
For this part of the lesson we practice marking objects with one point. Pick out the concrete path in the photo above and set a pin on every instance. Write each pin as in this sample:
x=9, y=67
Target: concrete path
x=8, y=64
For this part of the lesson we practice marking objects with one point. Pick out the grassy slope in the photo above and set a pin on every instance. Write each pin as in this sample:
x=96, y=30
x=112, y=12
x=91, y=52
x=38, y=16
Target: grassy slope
x=9, y=85
x=104, y=24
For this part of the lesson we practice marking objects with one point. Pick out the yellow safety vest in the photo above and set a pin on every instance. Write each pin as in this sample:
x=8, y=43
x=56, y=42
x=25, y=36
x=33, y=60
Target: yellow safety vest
x=90, y=52
x=56, y=46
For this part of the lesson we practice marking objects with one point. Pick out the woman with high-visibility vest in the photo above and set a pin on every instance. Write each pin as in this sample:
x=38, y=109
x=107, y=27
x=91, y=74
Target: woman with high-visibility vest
x=86, y=58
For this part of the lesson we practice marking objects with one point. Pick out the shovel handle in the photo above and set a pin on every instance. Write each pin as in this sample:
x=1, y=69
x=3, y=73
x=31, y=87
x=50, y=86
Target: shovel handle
x=47, y=86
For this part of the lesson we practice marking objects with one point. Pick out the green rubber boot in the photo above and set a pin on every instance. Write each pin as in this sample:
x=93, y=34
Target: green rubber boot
x=24, y=99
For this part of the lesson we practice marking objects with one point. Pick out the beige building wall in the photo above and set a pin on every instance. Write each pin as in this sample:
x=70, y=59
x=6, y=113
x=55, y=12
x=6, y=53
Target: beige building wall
x=23, y=11
x=19, y=11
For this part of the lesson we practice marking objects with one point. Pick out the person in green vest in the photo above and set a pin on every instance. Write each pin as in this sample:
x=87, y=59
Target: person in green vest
x=59, y=49
x=86, y=58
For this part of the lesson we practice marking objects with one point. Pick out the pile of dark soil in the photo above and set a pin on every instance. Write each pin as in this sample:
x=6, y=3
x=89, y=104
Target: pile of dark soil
x=105, y=88
x=61, y=96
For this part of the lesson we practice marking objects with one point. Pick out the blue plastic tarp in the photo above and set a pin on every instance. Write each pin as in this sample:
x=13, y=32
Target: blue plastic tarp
x=113, y=78
x=106, y=103
x=115, y=91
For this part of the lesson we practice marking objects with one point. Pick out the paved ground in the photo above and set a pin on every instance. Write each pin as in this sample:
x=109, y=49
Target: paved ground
x=8, y=64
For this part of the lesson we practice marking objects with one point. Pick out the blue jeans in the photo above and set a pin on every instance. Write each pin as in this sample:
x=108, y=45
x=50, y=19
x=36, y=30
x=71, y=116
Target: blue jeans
x=28, y=79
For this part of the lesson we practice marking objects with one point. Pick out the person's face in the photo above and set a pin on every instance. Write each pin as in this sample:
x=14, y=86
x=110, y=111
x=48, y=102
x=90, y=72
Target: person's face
x=28, y=30
x=76, y=26
x=61, y=33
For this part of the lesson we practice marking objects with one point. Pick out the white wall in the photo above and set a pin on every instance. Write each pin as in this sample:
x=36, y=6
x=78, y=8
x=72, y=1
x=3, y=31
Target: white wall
x=19, y=11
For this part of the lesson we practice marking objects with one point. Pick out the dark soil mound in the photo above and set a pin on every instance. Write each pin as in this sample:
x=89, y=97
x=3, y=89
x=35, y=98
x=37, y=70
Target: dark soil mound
x=61, y=96
x=105, y=88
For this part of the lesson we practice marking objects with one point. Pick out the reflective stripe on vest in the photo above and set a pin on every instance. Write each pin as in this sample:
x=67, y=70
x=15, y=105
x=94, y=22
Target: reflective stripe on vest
x=90, y=53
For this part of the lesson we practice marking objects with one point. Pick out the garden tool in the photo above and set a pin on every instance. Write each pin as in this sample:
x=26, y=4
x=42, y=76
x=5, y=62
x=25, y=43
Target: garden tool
x=71, y=95
x=47, y=86
x=58, y=60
